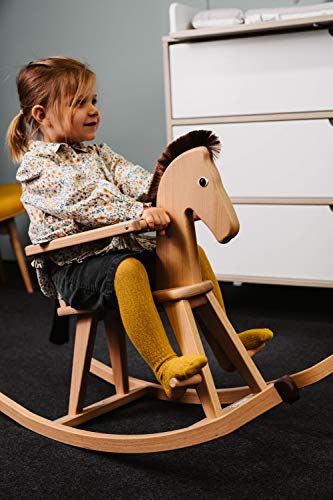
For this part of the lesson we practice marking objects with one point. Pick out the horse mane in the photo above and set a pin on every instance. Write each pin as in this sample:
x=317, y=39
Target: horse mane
x=188, y=141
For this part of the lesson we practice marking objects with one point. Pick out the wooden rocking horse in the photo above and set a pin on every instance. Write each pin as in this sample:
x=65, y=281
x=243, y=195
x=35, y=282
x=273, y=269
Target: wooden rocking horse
x=189, y=188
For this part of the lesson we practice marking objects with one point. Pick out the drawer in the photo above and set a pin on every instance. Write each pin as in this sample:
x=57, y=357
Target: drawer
x=287, y=72
x=286, y=158
x=280, y=242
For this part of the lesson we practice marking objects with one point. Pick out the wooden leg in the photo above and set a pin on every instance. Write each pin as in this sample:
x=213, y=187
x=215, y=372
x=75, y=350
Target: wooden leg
x=219, y=354
x=116, y=340
x=2, y=271
x=186, y=332
x=224, y=334
x=19, y=254
x=83, y=349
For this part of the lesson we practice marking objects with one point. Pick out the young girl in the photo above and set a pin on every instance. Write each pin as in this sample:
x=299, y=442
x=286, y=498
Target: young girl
x=69, y=187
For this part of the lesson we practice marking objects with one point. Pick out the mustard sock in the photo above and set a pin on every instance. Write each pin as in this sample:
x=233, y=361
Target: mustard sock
x=255, y=337
x=251, y=339
x=145, y=328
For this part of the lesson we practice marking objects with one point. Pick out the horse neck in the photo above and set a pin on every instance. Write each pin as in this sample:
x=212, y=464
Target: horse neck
x=177, y=252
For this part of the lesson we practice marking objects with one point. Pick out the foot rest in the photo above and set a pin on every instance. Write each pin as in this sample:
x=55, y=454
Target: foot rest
x=195, y=380
x=183, y=292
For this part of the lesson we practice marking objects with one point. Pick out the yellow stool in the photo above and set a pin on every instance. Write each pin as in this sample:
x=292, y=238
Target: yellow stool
x=10, y=206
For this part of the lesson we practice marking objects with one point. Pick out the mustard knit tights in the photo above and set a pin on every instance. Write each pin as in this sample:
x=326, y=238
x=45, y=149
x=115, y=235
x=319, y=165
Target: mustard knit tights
x=146, y=331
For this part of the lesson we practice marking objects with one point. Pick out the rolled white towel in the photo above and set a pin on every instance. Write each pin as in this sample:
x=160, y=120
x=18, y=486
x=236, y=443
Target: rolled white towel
x=217, y=17
x=283, y=13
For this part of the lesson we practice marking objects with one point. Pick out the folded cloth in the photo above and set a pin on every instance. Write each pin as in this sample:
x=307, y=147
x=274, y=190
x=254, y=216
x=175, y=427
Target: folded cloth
x=217, y=17
x=284, y=13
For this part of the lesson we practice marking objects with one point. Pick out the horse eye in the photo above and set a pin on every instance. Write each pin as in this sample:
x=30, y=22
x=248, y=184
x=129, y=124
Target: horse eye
x=203, y=182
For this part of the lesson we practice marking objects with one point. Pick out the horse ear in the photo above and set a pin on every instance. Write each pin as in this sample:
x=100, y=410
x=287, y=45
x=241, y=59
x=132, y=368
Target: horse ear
x=191, y=140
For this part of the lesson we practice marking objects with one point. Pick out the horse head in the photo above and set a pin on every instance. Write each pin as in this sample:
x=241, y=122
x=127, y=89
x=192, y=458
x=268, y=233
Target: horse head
x=186, y=182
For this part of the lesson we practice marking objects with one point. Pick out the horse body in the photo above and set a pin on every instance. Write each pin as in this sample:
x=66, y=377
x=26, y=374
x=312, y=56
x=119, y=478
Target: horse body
x=186, y=182
x=191, y=184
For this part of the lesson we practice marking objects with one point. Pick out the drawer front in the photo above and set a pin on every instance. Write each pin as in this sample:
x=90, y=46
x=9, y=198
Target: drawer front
x=288, y=72
x=287, y=158
x=275, y=241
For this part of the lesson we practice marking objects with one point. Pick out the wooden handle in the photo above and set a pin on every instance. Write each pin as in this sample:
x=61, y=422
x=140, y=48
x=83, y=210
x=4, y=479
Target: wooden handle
x=195, y=380
x=130, y=226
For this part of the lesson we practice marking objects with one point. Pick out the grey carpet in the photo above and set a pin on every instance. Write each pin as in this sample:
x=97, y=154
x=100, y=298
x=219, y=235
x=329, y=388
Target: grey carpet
x=286, y=453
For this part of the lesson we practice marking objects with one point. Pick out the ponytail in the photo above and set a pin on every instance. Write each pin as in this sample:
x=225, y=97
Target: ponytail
x=18, y=137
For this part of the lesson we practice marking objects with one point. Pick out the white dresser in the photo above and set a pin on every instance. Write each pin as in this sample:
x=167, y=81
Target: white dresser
x=267, y=91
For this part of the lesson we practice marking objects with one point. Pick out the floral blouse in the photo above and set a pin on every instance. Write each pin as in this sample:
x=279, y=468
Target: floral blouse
x=70, y=189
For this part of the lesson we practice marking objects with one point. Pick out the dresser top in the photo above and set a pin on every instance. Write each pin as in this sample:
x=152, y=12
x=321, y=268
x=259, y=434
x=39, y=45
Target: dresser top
x=309, y=23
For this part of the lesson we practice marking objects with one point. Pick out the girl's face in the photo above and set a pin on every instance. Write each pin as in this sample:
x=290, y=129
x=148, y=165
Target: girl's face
x=85, y=118
x=79, y=126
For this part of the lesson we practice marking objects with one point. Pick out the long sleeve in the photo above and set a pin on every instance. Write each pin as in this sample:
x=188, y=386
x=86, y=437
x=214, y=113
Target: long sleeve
x=69, y=189
x=70, y=192
x=132, y=180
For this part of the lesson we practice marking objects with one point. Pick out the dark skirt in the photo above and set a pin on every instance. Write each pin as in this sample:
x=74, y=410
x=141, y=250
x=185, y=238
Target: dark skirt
x=90, y=284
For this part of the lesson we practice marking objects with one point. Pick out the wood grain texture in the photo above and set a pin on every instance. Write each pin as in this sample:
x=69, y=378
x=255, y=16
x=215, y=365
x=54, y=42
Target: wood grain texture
x=184, y=327
x=87, y=236
x=180, y=284
x=83, y=349
x=206, y=430
x=116, y=341
x=9, y=226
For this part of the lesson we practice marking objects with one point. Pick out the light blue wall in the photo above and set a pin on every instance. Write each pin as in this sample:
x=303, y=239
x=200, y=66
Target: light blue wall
x=121, y=40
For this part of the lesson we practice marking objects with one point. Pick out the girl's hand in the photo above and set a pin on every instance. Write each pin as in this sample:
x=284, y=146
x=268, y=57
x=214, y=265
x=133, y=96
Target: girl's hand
x=156, y=218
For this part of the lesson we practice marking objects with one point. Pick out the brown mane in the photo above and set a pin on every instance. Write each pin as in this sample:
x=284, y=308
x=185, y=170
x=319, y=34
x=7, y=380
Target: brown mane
x=188, y=141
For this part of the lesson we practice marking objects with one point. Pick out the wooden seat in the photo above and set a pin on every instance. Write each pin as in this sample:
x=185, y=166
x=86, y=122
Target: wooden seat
x=10, y=207
x=185, y=298
x=84, y=341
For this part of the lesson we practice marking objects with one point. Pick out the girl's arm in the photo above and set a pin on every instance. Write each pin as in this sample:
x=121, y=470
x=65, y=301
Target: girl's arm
x=132, y=180
x=66, y=193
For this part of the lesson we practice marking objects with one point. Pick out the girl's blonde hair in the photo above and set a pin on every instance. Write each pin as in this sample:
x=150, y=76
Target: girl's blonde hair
x=47, y=82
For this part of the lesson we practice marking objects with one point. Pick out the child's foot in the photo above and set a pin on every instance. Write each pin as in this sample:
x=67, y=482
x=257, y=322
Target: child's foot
x=253, y=340
x=181, y=368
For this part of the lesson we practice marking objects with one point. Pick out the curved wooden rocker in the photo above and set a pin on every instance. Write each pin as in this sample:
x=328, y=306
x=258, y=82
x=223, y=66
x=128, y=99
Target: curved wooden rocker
x=185, y=297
